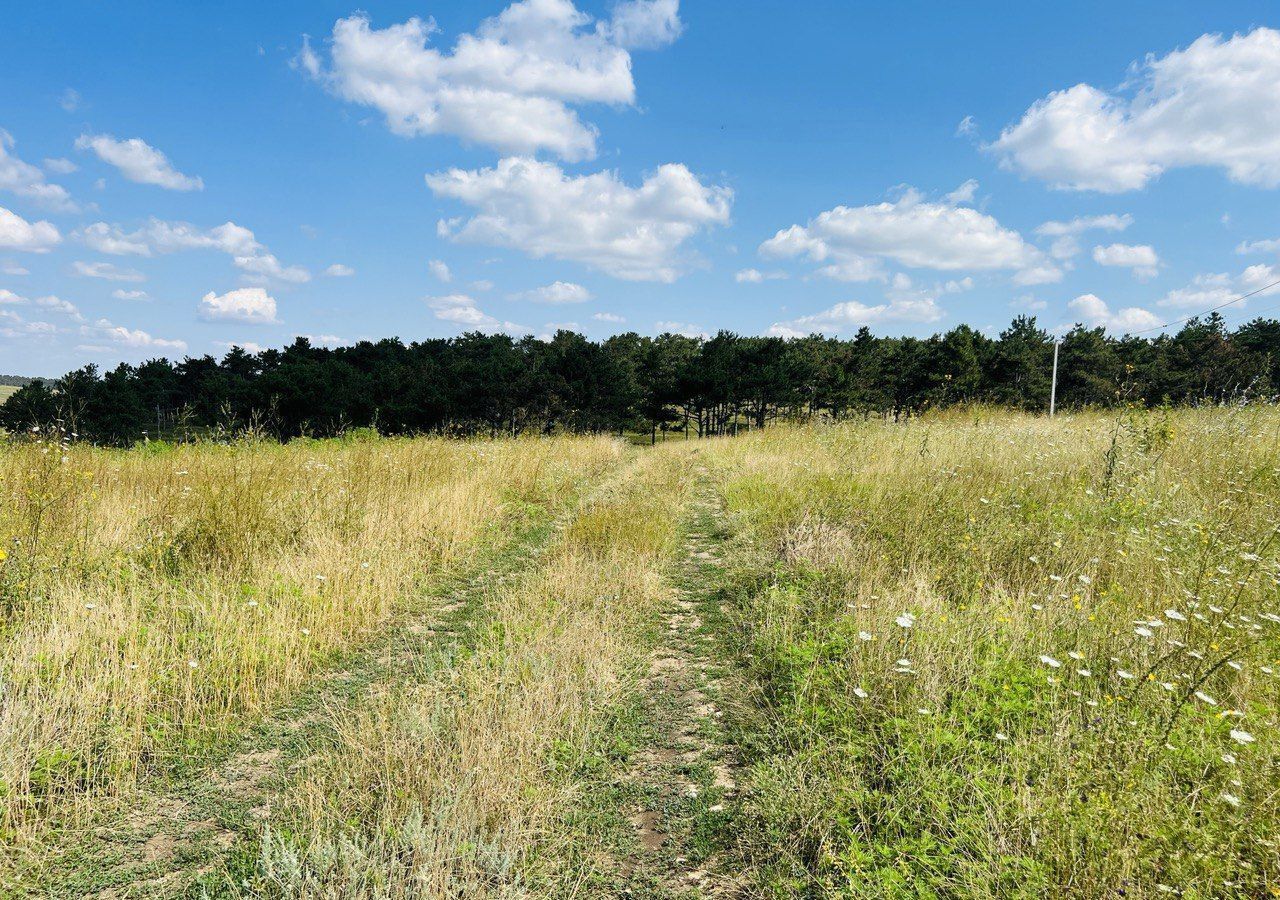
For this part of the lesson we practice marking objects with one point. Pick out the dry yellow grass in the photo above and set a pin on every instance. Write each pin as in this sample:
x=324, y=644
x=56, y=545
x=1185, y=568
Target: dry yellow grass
x=448, y=788
x=152, y=599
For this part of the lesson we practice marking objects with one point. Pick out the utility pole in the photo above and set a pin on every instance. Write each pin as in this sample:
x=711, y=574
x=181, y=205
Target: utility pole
x=1053, y=390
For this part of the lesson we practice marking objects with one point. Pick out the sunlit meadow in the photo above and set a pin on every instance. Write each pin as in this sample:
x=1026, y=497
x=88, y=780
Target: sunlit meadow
x=997, y=656
x=153, y=599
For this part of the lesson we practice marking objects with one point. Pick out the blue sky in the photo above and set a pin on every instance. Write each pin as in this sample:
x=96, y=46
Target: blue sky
x=176, y=179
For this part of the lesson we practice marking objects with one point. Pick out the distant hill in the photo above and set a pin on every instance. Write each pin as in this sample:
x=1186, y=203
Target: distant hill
x=9, y=385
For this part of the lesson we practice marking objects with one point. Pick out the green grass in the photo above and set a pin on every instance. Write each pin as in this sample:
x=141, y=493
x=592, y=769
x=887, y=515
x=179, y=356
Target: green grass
x=1041, y=737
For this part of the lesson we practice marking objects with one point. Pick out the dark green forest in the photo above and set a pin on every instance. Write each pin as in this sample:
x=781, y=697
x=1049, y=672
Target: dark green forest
x=492, y=384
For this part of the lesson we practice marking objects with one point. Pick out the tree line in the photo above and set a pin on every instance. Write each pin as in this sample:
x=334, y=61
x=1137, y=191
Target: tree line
x=492, y=384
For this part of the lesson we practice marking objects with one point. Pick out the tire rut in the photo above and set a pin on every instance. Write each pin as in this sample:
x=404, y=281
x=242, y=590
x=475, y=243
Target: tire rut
x=686, y=778
x=165, y=837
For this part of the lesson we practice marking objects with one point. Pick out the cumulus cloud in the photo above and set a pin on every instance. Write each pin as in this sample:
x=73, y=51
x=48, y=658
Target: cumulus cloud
x=264, y=266
x=852, y=314
x=338, y=270
x=1215, y=103
x=60, y=165
x=609, y=317
x=49, y=303
x=683, y=328
x=246, y=346
x=965, y=193
x=1142, y=259
x=16, y=233
x=160, y=237
x=104, y=329
x=12, y=268
x=13, y=325
x=1208, y=290
x=1267, y=246
x=106, y=271
x=1096, y=313
x=138, y=161
x=633, y=233
x=1066, y=234
x=914, y=232
x=58, y=305
x=121, y=294
x=27, y=181
x=558, y=292
x=252, y=305
x=509, y=85
x=440, y=271
x=461, y=309
x=755, y=276
x=644, y=24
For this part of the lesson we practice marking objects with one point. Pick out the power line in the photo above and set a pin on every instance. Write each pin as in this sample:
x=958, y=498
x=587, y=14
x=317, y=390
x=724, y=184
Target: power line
x=1265, y=287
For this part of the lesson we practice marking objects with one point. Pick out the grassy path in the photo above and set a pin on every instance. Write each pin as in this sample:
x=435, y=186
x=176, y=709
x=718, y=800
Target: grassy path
x=680, y=785
x=187, y=835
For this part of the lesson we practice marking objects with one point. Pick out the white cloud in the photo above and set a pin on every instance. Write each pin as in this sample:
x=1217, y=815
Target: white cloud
x=27, y=180
x=965, y=193
x=70, y=100
x=1208, y=290
x=159, y=237
x=911, y=232
x=755, y=276
x=1268, y=246
x=852, y=314
x=326, y=340
x=104, y=329
x=138, y=161
x=50, y=303
x=60, y=165
x=246, y=346
x=645, y=24
x=684, y=328
x=12, y=268
x=1066, y=244
x=1028, y=303
x=106, y=271
x=252, y=305
x=121, y=294
x=509, y=85
x=16, y=233
x=550, y=328
x=262, y=266
x=483, y=284
x=440, y=270
x=1216, y=103
x=608, y=317
x=462, y=310
x=338, y=270
x=632, y=233
x=557, y=292
x=58, y=305
x=1081, y=224
x=1095, y=312
x=1141, y=258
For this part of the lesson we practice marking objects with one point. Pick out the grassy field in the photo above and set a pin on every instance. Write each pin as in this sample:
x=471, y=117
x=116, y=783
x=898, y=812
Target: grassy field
x=7, y=391
x=977, y=655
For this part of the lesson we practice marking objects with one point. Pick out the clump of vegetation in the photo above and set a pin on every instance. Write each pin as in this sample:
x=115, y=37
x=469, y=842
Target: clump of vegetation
x=999, y=656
